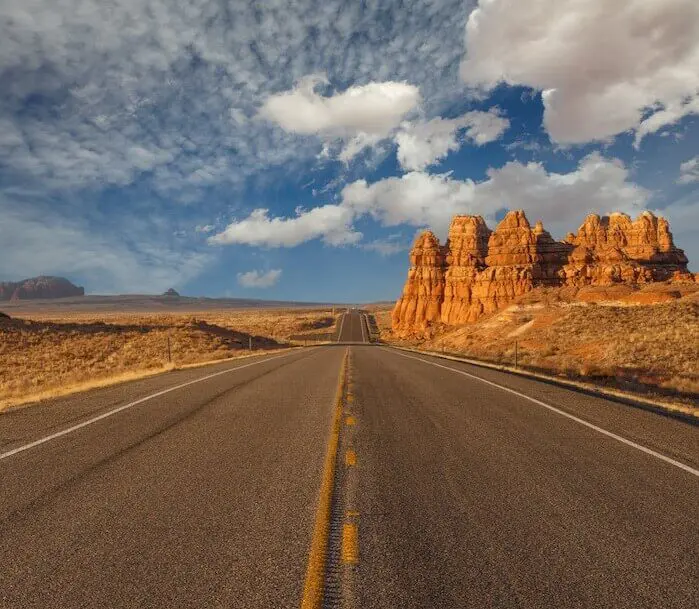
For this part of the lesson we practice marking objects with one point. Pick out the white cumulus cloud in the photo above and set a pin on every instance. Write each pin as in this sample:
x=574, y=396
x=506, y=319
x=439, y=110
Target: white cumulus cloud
x=416, y=198
x=374, y=108
x=332, y=223
x=423, y=143
x=562, y=200
x=259, y=279
x=603, y=67
x=362, y=114
x=597, y=185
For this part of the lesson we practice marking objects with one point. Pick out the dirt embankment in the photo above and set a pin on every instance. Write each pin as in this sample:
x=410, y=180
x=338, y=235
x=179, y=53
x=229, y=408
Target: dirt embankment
x=639, y=341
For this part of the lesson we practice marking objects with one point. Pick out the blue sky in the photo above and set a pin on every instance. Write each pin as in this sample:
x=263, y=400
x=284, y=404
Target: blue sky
x=291, y=150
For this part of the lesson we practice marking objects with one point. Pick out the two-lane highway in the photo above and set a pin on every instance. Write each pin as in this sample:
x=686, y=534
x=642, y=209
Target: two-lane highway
x=201, y=497
x=352, y=327
x=471, y=495
x=452, y=486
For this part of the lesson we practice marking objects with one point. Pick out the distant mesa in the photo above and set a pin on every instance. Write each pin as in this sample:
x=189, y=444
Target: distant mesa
x=39, y=287
x=171, y=292
x=479, y=271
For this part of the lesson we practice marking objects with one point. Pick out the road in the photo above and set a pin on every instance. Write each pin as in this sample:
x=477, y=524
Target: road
x=453, y=486
x=352, y=327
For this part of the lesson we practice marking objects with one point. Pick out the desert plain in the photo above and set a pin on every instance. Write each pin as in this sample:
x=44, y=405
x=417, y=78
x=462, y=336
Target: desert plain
x=55, y=347
x=642, y=341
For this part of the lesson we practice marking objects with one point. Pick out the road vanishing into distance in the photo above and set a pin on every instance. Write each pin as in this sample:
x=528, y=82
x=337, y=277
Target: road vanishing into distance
x=346, y=475
x=353, y=328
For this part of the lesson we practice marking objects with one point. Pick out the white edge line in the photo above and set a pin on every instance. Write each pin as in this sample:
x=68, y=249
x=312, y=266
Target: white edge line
x=104, y=415
x=609, y=434
x=342, y=323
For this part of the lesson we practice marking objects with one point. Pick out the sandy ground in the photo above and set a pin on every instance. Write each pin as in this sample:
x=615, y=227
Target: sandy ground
x=45, y=353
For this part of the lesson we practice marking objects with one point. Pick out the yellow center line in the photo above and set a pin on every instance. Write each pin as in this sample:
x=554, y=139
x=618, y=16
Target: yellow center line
x=315, y=571
x=350, y=457
x=350, y=544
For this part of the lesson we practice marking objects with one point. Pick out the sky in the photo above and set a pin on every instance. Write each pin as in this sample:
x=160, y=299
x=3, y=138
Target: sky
x=293, y=149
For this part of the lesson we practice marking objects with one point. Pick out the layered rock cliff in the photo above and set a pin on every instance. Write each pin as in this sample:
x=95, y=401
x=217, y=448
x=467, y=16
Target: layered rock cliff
x=614, y=249
x=39, y=287
x=424, y=291
x=479, y=271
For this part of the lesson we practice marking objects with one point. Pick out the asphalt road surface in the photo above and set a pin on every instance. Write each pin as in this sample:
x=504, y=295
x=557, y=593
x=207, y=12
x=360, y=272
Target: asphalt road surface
x=352, y=328
x=454, y=486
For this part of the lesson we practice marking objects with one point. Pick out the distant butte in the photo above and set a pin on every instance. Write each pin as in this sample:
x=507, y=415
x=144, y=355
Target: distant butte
x=39, y=287
x=479, y=271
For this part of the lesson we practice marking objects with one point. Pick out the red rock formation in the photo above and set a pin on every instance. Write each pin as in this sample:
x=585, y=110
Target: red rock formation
x=479, y=272
x=424, y=289
x=39, y=287
x=519, y=258
x=487, y=269
x=466, y=249
x=615, y=249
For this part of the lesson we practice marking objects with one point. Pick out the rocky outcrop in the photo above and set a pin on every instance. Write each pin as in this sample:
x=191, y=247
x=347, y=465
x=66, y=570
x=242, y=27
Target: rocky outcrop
x=39, y=287
x=424, y=291
x=171, y=292
x=615, y=249
x=478, y=271
x=465, y=253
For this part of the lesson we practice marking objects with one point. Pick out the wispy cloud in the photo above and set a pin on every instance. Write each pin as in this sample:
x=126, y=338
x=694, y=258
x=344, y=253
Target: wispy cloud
x=689, y=171
x=387, y=247
x=423, y=143
x=164, y=98
x=168, y=91
x=36, y=240
x=259, y=279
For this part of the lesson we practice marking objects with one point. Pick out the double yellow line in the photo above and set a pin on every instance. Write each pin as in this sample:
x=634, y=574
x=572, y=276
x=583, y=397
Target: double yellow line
x=315, y=573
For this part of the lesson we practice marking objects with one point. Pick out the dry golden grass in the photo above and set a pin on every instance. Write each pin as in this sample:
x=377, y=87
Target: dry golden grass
x=634, y=347
x=56, y=353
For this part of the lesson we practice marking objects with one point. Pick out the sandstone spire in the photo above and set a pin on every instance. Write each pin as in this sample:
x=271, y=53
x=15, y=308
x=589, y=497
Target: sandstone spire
x=466, y=249
x=423, y=292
